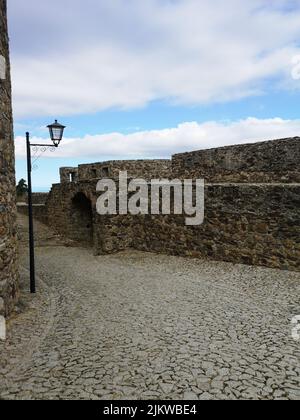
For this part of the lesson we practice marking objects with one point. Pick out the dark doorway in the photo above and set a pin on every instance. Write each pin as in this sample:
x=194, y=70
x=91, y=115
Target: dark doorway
x=82, y=219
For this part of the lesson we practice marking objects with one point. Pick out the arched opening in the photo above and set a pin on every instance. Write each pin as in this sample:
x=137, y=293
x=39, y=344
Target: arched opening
x=82, y=219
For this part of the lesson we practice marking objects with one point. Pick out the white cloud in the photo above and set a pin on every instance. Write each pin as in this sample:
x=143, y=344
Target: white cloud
x=163, y=143
x=74, y=57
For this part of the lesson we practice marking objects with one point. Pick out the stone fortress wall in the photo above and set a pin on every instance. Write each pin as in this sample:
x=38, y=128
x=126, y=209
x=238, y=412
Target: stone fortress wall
x=38, y=202
x=148, y=169
x=252, y=206
x=38, y=198
x=265, y=162
x=8, y=232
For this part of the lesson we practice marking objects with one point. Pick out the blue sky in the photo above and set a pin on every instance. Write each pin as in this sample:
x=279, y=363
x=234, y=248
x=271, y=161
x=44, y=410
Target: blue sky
x=148, y=79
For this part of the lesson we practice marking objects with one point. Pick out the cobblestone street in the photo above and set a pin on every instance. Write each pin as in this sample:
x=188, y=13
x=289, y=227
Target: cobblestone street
x=145, y=326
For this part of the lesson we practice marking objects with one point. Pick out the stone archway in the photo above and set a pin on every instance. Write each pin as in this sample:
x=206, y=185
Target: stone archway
x=82, y=219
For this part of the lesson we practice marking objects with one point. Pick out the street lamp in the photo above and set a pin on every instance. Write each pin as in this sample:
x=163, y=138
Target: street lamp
x=56, y=131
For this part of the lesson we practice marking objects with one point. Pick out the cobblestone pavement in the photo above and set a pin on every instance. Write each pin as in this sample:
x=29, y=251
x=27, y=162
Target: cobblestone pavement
x=144, y=326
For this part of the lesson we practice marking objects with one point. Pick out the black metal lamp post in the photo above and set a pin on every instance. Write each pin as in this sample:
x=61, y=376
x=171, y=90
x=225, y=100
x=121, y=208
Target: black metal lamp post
x=56, y=134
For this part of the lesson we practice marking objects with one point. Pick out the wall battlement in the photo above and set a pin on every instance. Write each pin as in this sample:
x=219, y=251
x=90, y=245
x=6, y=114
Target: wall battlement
x=147, y=169
x=270, y=161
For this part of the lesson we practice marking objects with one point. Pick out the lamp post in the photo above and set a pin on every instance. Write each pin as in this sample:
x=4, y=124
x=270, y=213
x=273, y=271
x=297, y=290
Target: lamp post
x=56, y=131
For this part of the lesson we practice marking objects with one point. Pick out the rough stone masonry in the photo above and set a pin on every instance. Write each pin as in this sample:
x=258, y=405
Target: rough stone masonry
x=252, y=202
x=8, y=232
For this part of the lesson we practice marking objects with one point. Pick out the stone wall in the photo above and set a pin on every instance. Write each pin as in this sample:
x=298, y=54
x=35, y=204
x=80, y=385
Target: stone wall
x=249, y=224
x=245, y=222
x=265, y=162
x=76, y=218
x=38, y=198
x=39, y=211
x=68, y=174
x=8, y=234
x=146, y=169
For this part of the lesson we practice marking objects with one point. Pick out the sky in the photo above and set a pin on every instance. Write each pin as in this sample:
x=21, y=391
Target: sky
x=136, y=79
